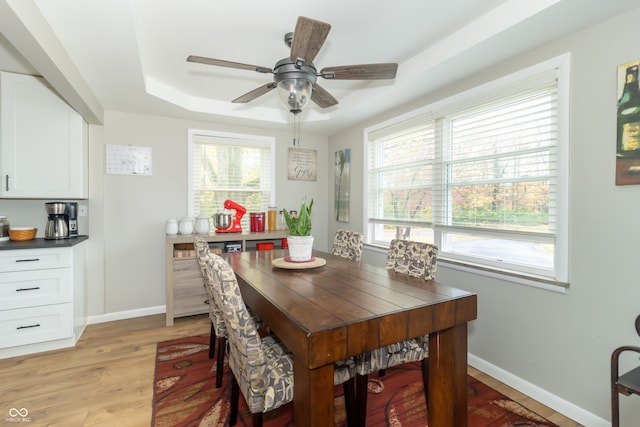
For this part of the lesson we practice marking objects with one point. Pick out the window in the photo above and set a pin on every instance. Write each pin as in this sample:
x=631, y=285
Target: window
x=482, y=175
x=230, y=166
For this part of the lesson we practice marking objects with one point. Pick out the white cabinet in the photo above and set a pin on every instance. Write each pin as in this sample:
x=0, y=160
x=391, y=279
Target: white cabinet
x=43, y=142
x=42, y=299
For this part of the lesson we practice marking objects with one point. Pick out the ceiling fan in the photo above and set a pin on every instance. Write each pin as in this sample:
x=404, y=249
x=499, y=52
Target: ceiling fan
x=295, y=76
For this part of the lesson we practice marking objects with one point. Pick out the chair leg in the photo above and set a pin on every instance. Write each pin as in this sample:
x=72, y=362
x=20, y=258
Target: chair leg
x=235, y=396
x=425, y=379
x=350, y=402
x=222, y=344
x=257, y=419
x=212, y=341
x=361, y=397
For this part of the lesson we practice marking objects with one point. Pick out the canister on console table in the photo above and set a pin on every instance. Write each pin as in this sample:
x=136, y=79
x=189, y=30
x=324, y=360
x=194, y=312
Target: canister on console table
x=272, y=218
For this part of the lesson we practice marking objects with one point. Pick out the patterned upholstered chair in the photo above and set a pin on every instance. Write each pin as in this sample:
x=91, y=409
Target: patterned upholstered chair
x=262, y=367
x=413, y=258
x=218, y=335
x=218, y=328
x=348, y=244
x=417, y=260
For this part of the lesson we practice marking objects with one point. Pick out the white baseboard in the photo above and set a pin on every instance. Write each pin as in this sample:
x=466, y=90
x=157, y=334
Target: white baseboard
x=130, y=314
x=554, y=402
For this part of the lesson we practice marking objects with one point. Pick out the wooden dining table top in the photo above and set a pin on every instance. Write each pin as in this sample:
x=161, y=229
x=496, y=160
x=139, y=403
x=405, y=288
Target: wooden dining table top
x=344, y=308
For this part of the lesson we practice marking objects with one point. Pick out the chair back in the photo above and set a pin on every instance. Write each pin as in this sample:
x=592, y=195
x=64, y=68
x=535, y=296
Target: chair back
x=246, y=355
x=204, y=257
x=348, y=244
x=413, y=258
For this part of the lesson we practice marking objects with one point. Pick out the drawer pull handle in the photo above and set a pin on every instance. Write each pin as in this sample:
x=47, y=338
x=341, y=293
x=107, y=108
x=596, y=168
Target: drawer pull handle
x=28, y=260
x=29, y=326
x=35, y=288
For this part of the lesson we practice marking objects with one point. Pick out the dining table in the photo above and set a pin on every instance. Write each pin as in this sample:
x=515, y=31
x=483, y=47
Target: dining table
x=334, y=308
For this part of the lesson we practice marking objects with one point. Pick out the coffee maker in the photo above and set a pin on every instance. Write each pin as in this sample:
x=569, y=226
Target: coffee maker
x=63, y=220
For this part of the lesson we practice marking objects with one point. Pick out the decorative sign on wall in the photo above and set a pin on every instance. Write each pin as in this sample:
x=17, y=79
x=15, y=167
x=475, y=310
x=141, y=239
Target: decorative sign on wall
x=302, y=164
x=628, y=125
x=342, y=185
x=128, y=160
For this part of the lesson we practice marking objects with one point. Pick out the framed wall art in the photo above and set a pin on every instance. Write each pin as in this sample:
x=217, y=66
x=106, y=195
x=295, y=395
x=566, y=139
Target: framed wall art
x=342, y=185
x=628, y=125
x=302, y=164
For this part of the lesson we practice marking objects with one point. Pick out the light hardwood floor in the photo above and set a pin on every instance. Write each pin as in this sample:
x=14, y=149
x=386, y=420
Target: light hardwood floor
x=107, y=379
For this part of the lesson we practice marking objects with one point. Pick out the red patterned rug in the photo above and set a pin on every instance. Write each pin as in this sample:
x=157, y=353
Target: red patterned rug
x=185, y=395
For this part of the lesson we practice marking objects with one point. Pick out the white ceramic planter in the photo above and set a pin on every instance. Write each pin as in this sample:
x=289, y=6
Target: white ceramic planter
x=300, y=248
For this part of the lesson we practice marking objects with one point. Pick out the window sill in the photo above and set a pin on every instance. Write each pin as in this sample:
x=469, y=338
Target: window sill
x=510, y=276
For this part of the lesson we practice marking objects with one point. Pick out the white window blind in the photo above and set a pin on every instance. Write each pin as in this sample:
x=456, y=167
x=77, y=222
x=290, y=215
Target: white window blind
x=400, y=173
x=230, y=166
x=500, y=165
x=477, y=175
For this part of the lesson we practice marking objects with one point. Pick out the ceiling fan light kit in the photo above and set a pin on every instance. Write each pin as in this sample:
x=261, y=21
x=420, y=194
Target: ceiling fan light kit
x=295, y=84
x=295, y=77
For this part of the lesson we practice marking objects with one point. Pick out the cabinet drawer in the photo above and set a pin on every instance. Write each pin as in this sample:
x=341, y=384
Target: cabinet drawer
x=33, y=325
x=34, y=259
x=34, y=288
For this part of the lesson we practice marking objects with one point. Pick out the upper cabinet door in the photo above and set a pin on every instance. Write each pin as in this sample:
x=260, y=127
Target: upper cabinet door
x=43, y=146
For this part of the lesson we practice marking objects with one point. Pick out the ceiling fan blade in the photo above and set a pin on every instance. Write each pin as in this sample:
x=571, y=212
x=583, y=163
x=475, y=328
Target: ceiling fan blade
x=250, y=96
x=228, y=64
x=361, y=72
x=321, y=97
x=308, y=38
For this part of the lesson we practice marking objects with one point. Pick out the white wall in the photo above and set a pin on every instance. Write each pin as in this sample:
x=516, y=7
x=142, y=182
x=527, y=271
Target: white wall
x=560, y=343
x=136, y=207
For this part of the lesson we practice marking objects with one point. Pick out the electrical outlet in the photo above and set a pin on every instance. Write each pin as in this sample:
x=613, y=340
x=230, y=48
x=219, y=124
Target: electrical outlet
x=82, y=210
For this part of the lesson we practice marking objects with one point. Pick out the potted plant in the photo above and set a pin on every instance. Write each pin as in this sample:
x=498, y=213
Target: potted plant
x=300, y=240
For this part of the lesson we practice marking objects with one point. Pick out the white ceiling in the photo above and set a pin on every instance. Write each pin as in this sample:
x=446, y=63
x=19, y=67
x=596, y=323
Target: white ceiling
x=132, y=53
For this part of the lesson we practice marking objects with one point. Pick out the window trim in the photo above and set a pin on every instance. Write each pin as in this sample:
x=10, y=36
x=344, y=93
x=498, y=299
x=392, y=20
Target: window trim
x=233, y=139
x=442, y=107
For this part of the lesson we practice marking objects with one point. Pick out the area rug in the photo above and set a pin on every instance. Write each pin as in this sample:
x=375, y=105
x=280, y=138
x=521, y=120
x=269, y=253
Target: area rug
x=185, y=395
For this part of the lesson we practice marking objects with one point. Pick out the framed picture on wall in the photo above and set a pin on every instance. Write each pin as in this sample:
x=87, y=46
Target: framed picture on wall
x=302, y=164
x=628, y=125
x=342, y=185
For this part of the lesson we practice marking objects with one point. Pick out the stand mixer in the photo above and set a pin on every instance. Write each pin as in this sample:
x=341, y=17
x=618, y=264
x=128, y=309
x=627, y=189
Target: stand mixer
x=228, y=223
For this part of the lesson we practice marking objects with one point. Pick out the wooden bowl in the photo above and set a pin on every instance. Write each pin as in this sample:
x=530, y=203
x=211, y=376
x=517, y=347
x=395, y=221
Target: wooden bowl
x=22, y=233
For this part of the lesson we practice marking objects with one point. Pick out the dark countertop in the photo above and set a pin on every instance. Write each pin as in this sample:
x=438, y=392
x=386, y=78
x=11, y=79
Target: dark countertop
x=40, y=243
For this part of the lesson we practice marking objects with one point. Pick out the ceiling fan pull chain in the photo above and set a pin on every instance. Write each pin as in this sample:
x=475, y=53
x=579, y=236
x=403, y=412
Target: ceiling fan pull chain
x=296, y=129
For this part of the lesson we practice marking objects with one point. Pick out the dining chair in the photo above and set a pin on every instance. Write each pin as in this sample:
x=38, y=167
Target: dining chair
x=262, y=366
x=348, y=244
x=218, y=333
x=414, y=259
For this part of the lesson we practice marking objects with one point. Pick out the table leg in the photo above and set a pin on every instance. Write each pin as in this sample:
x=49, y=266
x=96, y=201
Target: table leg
x=312, y=395
x=448, y=377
